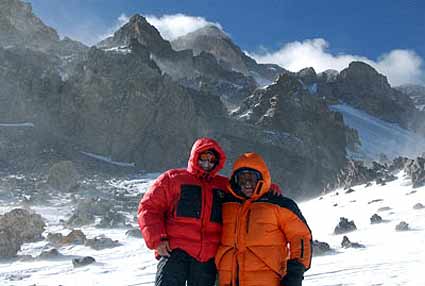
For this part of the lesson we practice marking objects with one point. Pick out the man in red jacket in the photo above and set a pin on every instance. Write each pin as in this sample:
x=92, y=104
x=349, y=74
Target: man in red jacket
x=180, y=218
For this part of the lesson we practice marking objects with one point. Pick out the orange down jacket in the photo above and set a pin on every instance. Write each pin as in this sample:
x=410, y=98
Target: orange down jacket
x=263, y=236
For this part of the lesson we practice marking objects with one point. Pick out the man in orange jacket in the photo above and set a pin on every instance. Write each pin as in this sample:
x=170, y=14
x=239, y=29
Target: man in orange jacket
x=265, y=239
x=180, y=218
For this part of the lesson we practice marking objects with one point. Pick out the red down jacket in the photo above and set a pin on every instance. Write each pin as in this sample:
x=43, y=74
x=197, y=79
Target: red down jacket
x=184, y=206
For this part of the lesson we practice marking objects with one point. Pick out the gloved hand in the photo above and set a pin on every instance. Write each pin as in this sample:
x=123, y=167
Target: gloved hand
x=291, y=280
x=294, y=275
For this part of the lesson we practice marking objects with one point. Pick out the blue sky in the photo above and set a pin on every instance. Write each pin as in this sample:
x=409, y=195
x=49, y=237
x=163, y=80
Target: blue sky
x=323, y=33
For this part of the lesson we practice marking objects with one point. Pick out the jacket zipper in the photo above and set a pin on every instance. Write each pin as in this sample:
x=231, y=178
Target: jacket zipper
x=248, y=215
x=302, y=248
x=201, y=216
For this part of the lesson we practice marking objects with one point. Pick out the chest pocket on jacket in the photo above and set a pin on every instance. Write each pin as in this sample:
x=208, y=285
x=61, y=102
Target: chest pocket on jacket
x=190, y=202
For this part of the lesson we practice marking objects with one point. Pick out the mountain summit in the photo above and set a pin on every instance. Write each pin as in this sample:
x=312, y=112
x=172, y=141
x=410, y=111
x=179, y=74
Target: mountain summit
x=215, y=41
x=138, y=28
x=20, y=27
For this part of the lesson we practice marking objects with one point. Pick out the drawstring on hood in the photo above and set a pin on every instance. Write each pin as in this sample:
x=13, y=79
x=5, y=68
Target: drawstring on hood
x=255, y=162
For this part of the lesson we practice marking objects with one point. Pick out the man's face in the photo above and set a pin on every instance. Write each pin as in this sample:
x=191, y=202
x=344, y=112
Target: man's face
x=207, y=161
x=248, y=180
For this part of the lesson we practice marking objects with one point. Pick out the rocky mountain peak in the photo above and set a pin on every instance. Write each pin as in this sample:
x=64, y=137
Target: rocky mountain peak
x=211, y=39
x=137, y=18
x=307, y=75
x=364, y=73
x=138, y=28
x=20, y=27
x=210, y=31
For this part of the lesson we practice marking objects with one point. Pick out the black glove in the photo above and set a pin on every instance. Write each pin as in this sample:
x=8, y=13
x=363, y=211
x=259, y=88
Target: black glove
x=294, y=274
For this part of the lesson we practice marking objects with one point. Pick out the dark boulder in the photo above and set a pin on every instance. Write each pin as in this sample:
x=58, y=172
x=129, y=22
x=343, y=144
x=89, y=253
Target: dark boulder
x=49, y=254
x=28, y=226
x=63, y=176
x=375, y=219
x=321, y=248
x=418, y=206
x=82, y=261
x=402, y=226
x=344, y=226
x=101, y=242
x=346, y=243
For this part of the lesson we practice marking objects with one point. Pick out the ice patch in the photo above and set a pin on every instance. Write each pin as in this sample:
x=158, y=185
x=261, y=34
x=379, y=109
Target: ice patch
x=380, y=137
x=108, y=160
x=26, y=124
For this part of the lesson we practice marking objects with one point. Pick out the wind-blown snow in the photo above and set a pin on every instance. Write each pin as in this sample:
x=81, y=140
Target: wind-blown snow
x=390, y=257
x=380, y=137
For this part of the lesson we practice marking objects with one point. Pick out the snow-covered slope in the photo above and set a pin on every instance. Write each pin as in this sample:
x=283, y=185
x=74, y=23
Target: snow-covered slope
x=390, y=257
x=380, y=137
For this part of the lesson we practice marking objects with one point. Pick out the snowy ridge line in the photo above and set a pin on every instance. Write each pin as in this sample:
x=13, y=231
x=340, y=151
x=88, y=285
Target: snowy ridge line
x=108, y=160
x=25, y=124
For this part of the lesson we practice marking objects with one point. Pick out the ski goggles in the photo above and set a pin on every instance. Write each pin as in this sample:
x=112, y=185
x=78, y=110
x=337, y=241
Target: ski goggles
x=247, y=176
x=208, y=156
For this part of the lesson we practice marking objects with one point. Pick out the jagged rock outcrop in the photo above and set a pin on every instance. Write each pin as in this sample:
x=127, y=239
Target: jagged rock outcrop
x=286, y=109
x=363, y=87
x=416, y=170
x=357, y=173
x=153, y=119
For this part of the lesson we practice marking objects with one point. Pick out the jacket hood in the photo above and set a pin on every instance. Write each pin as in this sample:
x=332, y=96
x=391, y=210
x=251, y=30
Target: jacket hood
x=251, y=161
x=202, y=145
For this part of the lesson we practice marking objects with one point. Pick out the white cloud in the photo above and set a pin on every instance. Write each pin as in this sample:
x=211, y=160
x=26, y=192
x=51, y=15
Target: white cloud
x=174, y=26
x=121, y=21
x=400, y=66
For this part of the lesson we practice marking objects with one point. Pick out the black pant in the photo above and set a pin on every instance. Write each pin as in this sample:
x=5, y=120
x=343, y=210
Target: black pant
x=181, y=267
